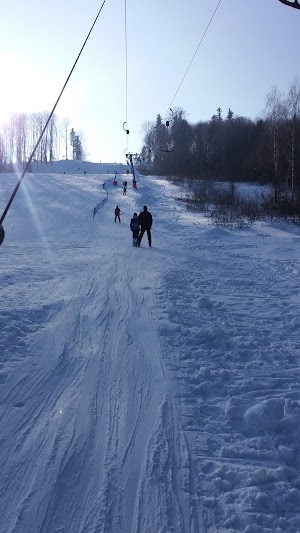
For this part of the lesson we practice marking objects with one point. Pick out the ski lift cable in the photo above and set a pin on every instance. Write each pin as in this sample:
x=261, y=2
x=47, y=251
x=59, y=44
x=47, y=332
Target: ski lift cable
x=126, y=71
x=47, y=122
x=128, y=148
x=189, y=66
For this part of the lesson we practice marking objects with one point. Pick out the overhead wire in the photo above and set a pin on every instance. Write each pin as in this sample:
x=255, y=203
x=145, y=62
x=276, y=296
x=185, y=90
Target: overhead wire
x=126, y=78
x=194, y=55
x=129, y=154
x=47, y=122
x=126, y=68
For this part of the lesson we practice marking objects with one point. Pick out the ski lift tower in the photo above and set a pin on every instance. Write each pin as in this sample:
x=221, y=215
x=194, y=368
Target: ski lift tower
x=129, y=156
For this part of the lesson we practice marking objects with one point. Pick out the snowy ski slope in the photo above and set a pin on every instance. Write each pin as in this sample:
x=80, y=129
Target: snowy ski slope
x=145, y=390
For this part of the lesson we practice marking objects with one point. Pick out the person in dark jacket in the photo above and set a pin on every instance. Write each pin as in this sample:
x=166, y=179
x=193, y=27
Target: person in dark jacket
x=135, y=228
x=145, y=220
x=117, y=213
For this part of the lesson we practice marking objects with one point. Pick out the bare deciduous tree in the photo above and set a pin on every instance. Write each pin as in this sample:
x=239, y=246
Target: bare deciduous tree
x=275, y=114
x=65, y=133
x=20, y=134
x=293, y=103
x=147, y=130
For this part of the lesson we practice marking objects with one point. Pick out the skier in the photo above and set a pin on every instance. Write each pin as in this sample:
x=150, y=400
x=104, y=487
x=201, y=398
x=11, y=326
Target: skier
x=145, y=220
x=124, y=188
x=117, y=213
x=135, y=228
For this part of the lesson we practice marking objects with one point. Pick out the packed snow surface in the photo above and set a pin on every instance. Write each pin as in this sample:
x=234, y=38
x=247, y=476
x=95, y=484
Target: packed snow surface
x=145, y=390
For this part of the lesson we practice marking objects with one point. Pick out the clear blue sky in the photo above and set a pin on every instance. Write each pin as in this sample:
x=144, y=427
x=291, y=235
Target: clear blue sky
x=250, y=47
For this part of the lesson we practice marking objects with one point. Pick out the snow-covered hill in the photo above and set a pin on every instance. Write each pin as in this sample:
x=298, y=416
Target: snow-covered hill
x=145, y=390
x=78, y=167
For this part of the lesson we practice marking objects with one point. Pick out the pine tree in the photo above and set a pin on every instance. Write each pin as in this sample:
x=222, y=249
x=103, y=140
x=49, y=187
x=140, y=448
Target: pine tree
x=230, y=115
x=76, y=144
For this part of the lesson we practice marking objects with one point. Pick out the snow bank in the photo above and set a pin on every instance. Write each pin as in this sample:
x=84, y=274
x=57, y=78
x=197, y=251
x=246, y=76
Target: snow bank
x=265, y=416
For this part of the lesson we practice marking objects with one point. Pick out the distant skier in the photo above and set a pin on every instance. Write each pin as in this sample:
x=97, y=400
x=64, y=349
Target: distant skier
x=117, y=213
x=124, y=188
x=135, y=228
x=145, y=220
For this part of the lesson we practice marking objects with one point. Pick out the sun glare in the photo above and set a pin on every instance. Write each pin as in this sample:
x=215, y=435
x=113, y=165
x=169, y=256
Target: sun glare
x=24, y=88
x=37, y=222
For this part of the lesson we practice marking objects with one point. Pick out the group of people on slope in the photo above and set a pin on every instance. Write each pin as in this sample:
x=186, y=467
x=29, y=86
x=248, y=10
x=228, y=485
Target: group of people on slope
x=139, y=224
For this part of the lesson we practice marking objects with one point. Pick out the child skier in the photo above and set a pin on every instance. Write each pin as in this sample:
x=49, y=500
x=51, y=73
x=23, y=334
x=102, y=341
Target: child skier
x=135, y=228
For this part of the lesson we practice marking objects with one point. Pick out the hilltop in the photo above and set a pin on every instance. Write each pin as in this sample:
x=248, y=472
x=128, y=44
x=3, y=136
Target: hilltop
x=78, y=167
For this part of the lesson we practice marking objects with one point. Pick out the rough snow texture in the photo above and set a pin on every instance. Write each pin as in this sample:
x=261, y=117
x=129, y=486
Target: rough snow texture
x=145, y=390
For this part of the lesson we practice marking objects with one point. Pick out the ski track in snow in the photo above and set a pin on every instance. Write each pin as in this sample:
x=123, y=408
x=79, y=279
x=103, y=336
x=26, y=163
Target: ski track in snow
x=145, y=391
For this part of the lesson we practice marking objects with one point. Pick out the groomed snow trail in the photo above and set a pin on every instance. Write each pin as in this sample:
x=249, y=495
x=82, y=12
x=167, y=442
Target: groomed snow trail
x=90, y=441
x=145, y=390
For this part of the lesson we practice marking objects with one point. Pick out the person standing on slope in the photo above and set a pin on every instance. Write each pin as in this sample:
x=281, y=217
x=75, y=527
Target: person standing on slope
x=145, y=220
x=135, y=228
x=117, y=213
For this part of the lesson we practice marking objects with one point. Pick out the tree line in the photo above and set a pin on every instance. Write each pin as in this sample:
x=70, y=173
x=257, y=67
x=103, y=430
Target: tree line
x=231, y=148
x=19, y=135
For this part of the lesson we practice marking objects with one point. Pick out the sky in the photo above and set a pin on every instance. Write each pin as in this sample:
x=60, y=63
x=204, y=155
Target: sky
x=145, y=390
x=248, y=49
